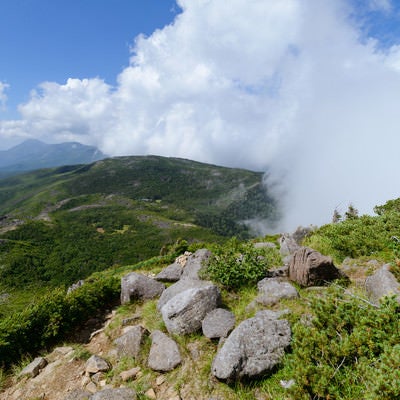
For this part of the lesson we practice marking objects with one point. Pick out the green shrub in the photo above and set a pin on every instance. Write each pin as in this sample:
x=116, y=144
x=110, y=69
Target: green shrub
x=349, y=349
x=53, y=317
x=237, y=264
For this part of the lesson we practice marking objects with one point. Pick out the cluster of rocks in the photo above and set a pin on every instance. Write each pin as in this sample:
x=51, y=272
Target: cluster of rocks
x=251, y=349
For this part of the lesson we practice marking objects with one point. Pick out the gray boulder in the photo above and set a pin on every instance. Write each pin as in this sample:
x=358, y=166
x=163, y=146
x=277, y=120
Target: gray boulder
x=115, y=394
x=170, y=274
x=96, y=364
x=179, y=287
x=382, y=283
x=288, y=246
x=195, y=262
x=254, y=348
x=34, y=368
x=218, y=323
x=272, y=290
x=184, y=313
x=164, y=354
x=139, y=287
x=131, y=342
x=310, y=268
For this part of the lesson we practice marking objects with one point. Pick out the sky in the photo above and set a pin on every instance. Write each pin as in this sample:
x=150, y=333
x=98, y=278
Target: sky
x=306, y=90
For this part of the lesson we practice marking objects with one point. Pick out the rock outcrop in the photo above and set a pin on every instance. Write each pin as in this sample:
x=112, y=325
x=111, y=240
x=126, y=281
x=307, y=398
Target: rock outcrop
x=254, y=348
x=310, y=268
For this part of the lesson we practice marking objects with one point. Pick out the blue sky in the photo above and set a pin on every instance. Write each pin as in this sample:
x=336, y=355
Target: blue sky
x=53, y=40
x=308, y=90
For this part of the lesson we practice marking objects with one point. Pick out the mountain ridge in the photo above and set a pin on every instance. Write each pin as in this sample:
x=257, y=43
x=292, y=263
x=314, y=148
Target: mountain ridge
x=34, y=154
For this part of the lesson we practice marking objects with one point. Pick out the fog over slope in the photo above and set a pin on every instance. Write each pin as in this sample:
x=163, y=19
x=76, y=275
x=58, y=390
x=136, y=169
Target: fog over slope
x=296, y=87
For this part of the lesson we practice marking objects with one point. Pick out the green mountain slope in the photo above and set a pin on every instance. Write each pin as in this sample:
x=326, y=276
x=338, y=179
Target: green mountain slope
x=60, y=225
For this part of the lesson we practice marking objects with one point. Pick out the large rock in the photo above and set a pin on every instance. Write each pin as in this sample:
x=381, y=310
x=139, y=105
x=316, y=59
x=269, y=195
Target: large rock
x=115, y=394
x=131, y=342
x=195, y=262
x=34, y=367
x=179, y=287
x=184, y=313
x=272, y=290
x=139, y=287
x=254, y=348
x=164, y=354
x=218, y=323
x=310, y=268
x=382, y=283
x=170, y=274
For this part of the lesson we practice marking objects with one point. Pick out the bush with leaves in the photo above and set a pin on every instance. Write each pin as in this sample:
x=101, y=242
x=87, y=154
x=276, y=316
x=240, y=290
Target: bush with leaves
x=53, y=317
x=237, y=263
x=348, y=350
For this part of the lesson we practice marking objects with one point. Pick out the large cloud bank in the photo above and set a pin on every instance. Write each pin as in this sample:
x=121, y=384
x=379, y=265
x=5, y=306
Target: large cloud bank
x=291, y=86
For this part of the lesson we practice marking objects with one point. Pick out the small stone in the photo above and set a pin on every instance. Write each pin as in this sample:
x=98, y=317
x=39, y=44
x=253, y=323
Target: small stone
x=129, y=374
x=91, y=387
x=151, y=394
x=160, y=380
x=34, y=367
x=85, y=381
x=96, y=364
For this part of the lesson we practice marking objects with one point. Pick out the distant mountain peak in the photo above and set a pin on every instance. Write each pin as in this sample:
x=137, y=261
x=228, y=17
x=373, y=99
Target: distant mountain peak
x=34, y=154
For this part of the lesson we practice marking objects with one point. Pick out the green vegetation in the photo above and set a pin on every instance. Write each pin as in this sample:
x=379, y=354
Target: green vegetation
x=101, y=221
x=348, y=351
x=369, y=236
x=237, y=264
x=53, y=317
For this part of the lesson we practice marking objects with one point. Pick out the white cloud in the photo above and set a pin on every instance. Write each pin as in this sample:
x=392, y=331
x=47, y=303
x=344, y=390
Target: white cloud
x=3, y=96
x=283, y=84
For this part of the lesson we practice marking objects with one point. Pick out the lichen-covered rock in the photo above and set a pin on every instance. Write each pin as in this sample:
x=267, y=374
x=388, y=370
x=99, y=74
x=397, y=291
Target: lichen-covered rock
x=382, y=283
x=184, y=313
x=164, y=353
x=310, y=268
x=218, y=323
x=137, y=286
x=272, y=290
x=254, y=348
x=131, y=342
